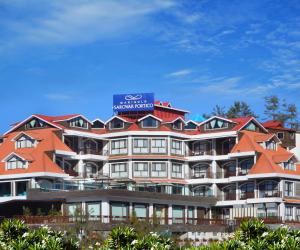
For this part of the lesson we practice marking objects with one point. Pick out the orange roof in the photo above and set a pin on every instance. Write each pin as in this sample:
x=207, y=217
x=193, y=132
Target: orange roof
x=267, y=159
x=39, y=157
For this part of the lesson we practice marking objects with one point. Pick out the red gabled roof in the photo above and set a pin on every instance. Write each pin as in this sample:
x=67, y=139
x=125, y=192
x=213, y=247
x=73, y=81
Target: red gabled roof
x=39, y=157
x=267, y=160
x=277, y=125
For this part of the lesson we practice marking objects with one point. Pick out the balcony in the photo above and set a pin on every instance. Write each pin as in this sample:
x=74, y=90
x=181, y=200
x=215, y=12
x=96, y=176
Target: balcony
x=269, y=193
x=199, y=152
x=202, y=175
x=229, y=196
x=92, y=151
x=247, y=195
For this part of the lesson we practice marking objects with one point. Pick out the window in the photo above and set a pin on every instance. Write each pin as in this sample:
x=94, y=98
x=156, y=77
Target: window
x=149, y=122
x=178, y=214
x=119, y=146
x=140, y=146
x=190, y=215
x=116, y=124
x=176, y=147
x=140, y=169
x=119, y=211
x=74, y=209
x=288, y=213
x=202, y=191
x=298, y=213
x=158, y=146
x=93, y=210
x=201, y=148
x=119, y=170
x=290, y=165
x=177, y=125
x=140, y=211
x=280, y=135
x=5, y=189
x=97, y=124
x=270, y=145
x=15, y=162
x=78, y=122
x=177, y=189
x=200, y=171
x=176, y=170
x=35, y=123
x=25, y=142
x=247, y=191
x=251, y=126
x=159, y=169
x=292, y=135
x=190, y=125
x=245, y=166
x=288, y=188
x=21, y=188
x=91, y=169
x=265, y=210
x=215, y=124
x=268, y=189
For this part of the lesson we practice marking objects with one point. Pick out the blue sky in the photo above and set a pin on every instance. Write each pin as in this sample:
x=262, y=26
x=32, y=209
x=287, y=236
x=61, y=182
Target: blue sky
x=60, y=57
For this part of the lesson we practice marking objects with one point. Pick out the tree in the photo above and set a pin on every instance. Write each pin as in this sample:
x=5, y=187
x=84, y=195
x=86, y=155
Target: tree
x=217, y=111
x=272, y=107
x=239, y=109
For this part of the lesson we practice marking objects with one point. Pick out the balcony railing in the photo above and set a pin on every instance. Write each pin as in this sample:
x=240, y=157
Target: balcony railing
x=202, y=175
x=230, y=196
x=199, y=153
x=247, y=195
x=269, y=193
x=93, y=151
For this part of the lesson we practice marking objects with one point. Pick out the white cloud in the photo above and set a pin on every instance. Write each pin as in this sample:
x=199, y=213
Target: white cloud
x=179, y=73
x=75, y=22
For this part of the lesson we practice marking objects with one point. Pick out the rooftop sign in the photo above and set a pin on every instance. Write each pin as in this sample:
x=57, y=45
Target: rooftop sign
x=133, y=102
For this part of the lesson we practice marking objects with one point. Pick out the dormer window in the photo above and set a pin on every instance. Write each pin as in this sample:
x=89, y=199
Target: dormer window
x=97, y=124
x=251, y=126
x=35, y=123
x=15, y=162
x=177, y=125
x=190, y=126
x=149, y=122
x=289, y=165
x=78, y=122
x=216, y=124
x=270, y=145
x=116, y=124
x=25, y=142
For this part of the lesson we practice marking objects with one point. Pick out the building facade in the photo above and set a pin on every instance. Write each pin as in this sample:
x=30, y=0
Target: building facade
x=152, y=162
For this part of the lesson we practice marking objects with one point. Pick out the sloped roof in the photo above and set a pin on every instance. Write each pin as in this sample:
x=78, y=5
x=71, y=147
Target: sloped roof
x=39, y=156
x=267, y=160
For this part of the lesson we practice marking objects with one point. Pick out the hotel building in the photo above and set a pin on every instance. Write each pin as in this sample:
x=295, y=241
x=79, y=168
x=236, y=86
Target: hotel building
x=151, y=162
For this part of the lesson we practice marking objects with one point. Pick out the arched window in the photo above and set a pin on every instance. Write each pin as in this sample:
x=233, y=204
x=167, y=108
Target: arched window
x=91, y=169
x=268, y=188
x=247, y=190
x=201, y=148
x=245, y=166
x=227, y=145
x=203, y=191
x=229, y=169
x=201, y=171
x=229, y=192
x=90, y=146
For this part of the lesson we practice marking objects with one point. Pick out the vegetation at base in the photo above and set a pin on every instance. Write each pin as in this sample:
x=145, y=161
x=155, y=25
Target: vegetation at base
x=14, y=234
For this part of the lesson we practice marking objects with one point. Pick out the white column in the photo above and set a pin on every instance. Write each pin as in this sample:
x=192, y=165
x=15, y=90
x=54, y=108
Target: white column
x=170, y=214
x=281, y=187
x=106, y=168
x=130, y=209
x=151, y=210
x=214, y=150
x=129, y=145
x=237, y=190
x=213, y=169
x=105, y=211
x=169, y=169
x=13, y=188
x=80, y=168
x=214, y=189
x=130, y=169
x=169, y=145
x=105, y=148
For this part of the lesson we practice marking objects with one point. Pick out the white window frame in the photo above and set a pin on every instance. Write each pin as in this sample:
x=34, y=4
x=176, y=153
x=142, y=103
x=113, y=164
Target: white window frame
x=181, y=125
x=140, y=173
x=25, y=142
x=140, y=150
x=289, y=165
x=175, y=150
x=119, y=150
x=119, y=173
x=72, y=123
x=142, y=123
x=225, y=127
x=177, y=174
x=9, y=164
x=160, y=150
x=159, y=173
x=292, y=189
x=110, y=123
